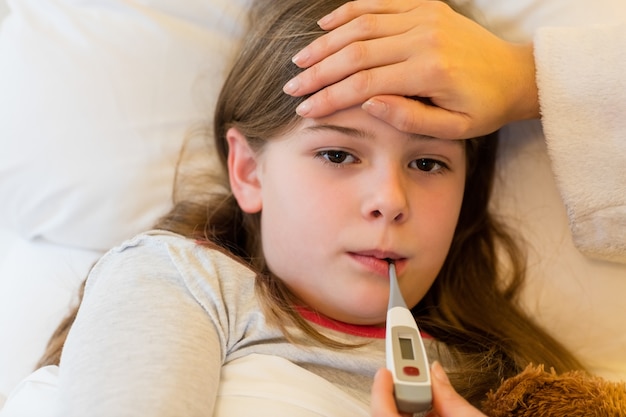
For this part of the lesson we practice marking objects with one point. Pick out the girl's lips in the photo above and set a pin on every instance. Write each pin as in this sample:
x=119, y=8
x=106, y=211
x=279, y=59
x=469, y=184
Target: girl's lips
x=379, y=262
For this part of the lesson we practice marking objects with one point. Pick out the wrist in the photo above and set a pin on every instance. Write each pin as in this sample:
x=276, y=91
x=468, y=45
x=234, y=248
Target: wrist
x=525, y=103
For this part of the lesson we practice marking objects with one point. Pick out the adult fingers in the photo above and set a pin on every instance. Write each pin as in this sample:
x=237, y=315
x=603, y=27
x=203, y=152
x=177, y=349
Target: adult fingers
x=356, y=89
x=361, y=26
x=350, y=10
x=359, y=29
x=356, y=57
x=419, y=117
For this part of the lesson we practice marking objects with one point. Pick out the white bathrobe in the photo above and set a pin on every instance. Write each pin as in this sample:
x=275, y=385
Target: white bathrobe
x=561, y=185
x=582, y=85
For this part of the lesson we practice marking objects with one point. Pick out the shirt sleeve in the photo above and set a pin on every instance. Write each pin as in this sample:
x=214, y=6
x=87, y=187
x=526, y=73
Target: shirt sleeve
x=582, y=90
x=141, y=344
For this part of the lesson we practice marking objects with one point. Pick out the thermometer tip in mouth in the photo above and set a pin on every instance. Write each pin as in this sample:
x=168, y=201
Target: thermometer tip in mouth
x=395, y=296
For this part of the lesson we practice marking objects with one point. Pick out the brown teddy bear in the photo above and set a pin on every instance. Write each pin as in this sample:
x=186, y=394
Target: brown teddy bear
x=538, y=393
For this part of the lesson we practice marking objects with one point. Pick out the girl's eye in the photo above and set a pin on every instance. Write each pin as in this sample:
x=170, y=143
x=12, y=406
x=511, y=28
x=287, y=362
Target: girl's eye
x=337, y=157
x=428, y=165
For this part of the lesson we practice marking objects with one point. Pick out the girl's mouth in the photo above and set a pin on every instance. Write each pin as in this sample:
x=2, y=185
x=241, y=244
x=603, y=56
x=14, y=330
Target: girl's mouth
x=378, y=261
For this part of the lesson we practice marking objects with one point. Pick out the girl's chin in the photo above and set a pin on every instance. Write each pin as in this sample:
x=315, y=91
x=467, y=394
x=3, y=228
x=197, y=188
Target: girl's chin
x=366, y=319
x=374, y=320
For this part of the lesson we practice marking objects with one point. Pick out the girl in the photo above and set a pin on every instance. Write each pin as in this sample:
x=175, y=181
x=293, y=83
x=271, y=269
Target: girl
x=270, y=298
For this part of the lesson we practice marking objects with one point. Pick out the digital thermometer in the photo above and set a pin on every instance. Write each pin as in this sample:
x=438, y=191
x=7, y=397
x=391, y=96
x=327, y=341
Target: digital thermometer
x=406, y=356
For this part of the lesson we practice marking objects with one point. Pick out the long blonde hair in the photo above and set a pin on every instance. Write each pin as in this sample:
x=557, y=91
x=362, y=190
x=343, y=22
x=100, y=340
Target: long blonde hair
x=471, y=307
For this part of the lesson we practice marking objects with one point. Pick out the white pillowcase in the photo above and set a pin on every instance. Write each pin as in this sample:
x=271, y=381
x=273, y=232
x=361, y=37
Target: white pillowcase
x=97, y=98
x=35, y=396
x=4, y=9
x=517, y=20
x=39, y=283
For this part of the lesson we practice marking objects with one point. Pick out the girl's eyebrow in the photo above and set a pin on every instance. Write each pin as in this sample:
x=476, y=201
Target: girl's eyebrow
x=348, y=131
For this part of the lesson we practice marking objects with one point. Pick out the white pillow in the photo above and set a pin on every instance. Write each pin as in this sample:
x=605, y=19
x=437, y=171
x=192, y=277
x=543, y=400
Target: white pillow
x=39, y=283
x=35, y=396
x=4, y=9
x=97, y=98
x=517, y=20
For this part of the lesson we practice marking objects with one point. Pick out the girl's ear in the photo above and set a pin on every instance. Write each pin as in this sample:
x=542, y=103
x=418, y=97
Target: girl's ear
x=242, y=172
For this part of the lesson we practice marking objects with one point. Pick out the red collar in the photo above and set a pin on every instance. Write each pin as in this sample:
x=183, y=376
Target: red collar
x=374, y=332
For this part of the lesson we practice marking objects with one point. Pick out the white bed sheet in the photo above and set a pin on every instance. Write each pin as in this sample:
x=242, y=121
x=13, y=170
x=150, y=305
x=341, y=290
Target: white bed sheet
x=97, y=99
x=39, y=285
x=260, y=385
x=35, y=396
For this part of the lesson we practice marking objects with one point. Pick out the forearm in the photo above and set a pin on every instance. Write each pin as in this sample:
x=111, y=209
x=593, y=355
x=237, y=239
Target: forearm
x=523, y=96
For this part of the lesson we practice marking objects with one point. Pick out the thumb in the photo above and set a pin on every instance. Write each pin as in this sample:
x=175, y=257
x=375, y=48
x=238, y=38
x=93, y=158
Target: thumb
x=446, y=401
x=414, y=116
x=383, y=403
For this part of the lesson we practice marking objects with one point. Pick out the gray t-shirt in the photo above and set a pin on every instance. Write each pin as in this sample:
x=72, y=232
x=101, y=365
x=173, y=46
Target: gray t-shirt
x=162, y=314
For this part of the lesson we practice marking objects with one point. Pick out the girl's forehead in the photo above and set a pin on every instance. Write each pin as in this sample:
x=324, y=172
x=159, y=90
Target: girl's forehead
x=353, y=121
x=357, y=123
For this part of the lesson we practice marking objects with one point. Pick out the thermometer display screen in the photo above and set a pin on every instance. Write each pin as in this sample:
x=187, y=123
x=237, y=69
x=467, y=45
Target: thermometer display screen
x=406, y=348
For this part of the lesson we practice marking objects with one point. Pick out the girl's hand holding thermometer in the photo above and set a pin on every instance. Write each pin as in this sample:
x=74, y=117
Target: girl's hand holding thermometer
x=406, y=356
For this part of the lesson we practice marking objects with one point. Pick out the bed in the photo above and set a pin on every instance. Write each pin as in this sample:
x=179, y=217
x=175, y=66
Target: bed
x=97, y=99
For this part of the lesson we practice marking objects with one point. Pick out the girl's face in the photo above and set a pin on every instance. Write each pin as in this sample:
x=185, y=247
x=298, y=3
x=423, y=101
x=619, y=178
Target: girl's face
x=341, y=194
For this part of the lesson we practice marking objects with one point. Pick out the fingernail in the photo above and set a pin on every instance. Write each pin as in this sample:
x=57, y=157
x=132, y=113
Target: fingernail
x=292, y=86
x=303, y=108
x=438, y=372
x=375, y=107
x=300, y=58
x=325, y=20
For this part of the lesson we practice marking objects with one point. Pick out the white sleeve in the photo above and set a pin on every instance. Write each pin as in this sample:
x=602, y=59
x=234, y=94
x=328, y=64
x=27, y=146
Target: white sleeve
x=141, y=344
x=581, y=75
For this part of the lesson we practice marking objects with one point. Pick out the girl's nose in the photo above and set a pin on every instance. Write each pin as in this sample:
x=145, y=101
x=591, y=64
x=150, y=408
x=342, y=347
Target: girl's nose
x=387, y=199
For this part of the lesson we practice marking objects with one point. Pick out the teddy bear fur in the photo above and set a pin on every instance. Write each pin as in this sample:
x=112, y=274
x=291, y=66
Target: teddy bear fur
x=537, y=393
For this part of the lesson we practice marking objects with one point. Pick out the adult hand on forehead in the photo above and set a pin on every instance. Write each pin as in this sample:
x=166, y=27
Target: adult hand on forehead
x=379, y=53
